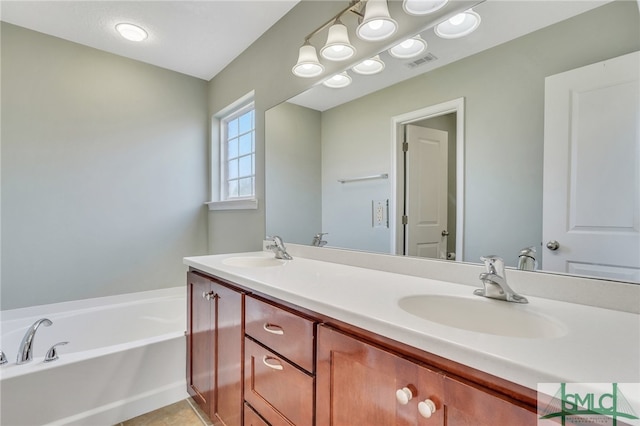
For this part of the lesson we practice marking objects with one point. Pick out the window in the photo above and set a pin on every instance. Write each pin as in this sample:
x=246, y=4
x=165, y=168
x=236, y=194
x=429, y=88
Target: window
x=238, y=158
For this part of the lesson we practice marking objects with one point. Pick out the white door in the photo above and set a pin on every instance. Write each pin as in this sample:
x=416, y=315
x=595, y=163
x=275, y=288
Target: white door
x=426, y=192
x=591, y=192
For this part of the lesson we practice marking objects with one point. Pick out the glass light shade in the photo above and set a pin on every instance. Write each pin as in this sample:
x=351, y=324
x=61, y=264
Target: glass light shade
x=338, y=81
x=422, y=7
x=338, y=47
x=308, y=65
x=131, y=32
x=369, y=66
x=409, y=48
x=377, y=23
x=459, y=26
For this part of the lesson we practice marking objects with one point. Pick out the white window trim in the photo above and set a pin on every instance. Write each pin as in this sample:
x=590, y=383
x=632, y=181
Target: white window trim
x=217, y=203
x=239, y=204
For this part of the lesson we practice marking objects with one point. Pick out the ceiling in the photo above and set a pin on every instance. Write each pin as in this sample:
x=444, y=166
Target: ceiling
x=197, y=38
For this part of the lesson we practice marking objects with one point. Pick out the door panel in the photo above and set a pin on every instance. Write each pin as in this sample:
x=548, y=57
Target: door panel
x=426, y=188
x=199, y=343
x=591, y=195
x=228, y=350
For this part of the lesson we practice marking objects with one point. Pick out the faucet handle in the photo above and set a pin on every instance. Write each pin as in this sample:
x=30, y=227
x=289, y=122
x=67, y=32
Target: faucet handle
x=52, y=353
x=3, y=358
x=493, y=264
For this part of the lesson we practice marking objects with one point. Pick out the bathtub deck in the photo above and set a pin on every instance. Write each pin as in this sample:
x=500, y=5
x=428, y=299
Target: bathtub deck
x=183, y=413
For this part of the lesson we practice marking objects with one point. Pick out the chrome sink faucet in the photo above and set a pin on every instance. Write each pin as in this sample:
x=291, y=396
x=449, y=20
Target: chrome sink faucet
x=495, y=282
x=527, y=259
x=278, y=248
x=25, y=353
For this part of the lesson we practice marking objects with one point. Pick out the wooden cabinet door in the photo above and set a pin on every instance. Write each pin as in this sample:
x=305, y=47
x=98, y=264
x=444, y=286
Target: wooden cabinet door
x=468, y=405
x=228, y=314
x=199, y=341
x=357, y=385
x=214, y=349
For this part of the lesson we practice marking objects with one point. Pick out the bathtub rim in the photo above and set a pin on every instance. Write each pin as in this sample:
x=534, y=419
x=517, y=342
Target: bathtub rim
x=12, y=370
x=90, y=303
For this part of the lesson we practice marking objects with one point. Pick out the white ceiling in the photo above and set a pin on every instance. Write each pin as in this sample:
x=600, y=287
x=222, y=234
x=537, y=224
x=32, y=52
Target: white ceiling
x=197, y=38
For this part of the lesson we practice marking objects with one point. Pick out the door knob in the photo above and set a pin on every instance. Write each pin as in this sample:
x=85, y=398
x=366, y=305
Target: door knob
x=445, y=233
x=208, y=295
x=553, y=245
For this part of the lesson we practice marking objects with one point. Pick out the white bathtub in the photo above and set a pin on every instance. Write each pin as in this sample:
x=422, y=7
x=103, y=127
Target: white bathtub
x=126, y=356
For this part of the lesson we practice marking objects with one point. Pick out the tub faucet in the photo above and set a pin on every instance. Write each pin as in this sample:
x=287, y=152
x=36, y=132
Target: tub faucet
x=495, y=282
x=318, y=241
x=278, y=248
x=25, y=353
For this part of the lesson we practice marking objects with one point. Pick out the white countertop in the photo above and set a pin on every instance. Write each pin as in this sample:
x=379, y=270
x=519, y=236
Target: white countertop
x=600, y=345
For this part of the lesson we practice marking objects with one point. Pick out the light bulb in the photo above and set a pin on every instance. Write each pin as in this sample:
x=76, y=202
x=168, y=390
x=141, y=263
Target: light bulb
x=422, y=7
x=369, y=66
x=376, y=25
x=460, y=25
x=407, y=43
x=338, y=81
x=408, y=48
x=458, y=19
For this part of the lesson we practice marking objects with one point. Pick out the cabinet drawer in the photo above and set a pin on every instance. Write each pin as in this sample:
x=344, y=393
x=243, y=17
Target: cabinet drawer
x=286, y=333
x=278, y=390
x=251, y=418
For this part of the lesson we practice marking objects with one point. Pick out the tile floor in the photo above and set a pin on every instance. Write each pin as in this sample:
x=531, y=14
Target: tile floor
x=183, y=413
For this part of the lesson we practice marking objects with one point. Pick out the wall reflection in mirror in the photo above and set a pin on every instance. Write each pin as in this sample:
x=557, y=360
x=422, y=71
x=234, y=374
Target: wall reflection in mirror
x=488, y=191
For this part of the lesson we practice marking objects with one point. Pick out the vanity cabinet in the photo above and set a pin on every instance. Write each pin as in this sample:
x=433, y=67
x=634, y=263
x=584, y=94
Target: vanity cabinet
x=258, y=361
x=360, y=383
x=279, y=365
x=214, y=348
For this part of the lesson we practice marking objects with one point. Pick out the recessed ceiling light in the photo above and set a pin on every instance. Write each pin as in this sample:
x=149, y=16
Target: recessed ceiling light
x=131, y=32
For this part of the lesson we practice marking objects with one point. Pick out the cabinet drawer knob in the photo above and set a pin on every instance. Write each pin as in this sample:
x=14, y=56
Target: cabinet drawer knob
x=426, y=408
x=266, y=359
x=404, y=395
x=273, y=329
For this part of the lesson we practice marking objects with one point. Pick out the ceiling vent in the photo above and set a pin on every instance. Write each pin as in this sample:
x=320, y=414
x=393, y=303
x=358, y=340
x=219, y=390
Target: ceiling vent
x=430, y=57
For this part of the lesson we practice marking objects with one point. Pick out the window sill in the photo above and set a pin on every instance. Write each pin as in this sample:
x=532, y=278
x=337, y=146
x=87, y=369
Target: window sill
x=248, y=204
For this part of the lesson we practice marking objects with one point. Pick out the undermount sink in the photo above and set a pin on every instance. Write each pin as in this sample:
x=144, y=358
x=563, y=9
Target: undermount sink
x=482, y=315
x=253, y=261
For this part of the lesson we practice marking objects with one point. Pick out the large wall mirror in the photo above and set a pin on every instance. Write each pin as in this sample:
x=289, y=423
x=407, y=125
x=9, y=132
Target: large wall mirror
x=335, y=162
